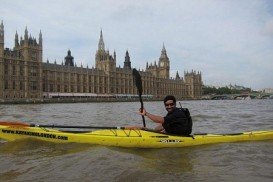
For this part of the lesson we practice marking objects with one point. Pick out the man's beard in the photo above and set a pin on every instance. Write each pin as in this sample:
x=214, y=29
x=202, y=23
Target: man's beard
x=170, y=110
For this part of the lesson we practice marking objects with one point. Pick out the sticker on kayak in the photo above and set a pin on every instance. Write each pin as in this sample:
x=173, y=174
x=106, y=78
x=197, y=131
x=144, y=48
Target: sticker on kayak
x=170, y=141
x=35, y=134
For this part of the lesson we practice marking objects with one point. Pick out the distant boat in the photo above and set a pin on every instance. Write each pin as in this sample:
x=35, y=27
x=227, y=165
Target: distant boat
x=243, y=98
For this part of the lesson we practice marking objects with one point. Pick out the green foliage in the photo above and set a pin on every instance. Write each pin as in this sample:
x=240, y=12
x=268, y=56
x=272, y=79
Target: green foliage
x=220, y=91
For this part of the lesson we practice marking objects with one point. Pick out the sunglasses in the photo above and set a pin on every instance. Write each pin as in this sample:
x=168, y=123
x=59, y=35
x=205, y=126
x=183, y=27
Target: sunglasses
x=171, y=104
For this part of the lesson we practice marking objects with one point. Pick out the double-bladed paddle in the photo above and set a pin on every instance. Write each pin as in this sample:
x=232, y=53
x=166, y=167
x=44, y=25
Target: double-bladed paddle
x=21, y=124
x=11, y=123
x=138, y=82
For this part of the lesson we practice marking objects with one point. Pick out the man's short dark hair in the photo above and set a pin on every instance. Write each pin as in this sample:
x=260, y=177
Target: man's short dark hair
x=170, y=97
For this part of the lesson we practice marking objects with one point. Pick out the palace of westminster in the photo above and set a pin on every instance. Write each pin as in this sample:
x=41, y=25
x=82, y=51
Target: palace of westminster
x=24, y=75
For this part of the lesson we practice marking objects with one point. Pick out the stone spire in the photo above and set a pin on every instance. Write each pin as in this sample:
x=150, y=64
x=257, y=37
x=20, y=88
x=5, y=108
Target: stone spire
x=40, y=38
x=163, y=52
x=26, y=34
x=16, y=40
x=115, y=55
x=101, y=42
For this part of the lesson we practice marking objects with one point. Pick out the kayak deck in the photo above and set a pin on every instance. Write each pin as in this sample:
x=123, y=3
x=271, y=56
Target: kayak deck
x=126, y=138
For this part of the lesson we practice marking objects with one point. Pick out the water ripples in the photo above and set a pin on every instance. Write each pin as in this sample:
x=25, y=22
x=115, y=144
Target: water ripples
x=42, y=161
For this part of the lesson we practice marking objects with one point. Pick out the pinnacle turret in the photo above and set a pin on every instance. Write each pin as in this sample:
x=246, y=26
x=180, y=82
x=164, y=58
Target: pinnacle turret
x=40, y=38
x=101, y=42
x=127, y=62
x=16, y=40
x=26, y=34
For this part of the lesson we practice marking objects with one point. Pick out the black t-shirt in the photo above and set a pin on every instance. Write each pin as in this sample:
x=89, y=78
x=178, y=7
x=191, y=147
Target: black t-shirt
x=177, y=123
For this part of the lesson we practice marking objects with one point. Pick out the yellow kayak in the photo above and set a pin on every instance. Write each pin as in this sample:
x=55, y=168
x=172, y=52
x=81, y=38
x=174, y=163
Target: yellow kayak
x=125, y=137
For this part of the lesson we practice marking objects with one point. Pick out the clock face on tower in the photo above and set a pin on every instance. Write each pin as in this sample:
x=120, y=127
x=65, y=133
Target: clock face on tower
x=161, y=64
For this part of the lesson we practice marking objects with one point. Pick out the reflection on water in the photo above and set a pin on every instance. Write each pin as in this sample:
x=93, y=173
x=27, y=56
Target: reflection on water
x=178, y=160
x=41, y=161
x=44, y=149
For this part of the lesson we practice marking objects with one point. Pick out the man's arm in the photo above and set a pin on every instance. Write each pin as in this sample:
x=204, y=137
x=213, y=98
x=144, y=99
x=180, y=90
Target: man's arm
x=154, y=118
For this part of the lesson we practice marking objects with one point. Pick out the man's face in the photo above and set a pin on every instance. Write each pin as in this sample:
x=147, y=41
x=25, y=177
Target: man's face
x=170, y=106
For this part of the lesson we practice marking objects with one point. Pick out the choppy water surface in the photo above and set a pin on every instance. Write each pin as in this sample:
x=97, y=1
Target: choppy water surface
x=41, y=161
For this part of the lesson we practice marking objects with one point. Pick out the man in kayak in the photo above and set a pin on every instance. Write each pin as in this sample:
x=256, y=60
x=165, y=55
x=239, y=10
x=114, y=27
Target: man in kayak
x=177, y=121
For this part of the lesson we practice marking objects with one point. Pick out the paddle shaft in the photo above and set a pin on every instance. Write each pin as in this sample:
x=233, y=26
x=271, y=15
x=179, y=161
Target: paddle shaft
x=10, y=123
x=83, y=127
x=141, y=102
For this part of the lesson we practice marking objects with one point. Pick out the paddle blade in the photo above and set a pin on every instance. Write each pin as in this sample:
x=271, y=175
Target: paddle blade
x=13, y=123
x=138, y=82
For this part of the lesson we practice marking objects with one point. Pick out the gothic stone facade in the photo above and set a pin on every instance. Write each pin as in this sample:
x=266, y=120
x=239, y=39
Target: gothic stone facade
x=24, y=75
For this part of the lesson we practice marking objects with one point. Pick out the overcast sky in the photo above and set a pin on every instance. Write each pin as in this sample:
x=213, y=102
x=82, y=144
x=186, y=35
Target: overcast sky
x=229, y=41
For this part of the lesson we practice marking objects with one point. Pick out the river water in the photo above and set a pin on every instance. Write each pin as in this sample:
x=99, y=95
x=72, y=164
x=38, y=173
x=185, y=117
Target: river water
x=41, y=161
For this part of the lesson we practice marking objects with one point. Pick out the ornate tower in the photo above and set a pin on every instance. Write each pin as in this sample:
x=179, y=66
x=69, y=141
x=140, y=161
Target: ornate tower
x=127, y=62
x=29, y=48
x=105, y=61
x=25, y=67
x=193, y=82
x=31, y=55
x=164, y=64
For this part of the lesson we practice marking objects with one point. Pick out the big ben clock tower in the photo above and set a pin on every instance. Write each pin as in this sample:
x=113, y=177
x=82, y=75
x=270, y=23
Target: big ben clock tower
x=164, y=64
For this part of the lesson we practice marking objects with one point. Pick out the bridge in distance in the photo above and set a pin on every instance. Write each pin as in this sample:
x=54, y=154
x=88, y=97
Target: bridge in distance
x=238, y=96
